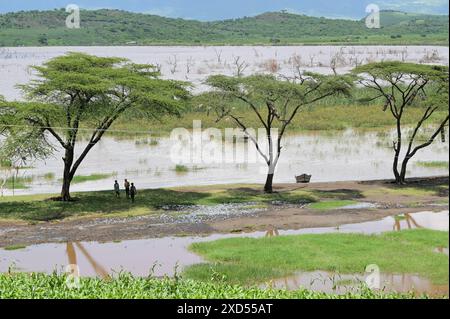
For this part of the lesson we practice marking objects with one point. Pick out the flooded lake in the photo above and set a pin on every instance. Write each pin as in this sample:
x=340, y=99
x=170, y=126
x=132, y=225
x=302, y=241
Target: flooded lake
x=165, y=255
x=196, y=63
x=333, y=156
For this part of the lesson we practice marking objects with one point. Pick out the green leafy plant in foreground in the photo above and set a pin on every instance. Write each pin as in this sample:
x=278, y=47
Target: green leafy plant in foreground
x=125, y=286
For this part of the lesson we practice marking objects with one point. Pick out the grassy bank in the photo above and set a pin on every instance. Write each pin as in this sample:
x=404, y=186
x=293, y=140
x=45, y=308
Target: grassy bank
x=323, y=118
x=35, y=208
x=125, y=286
x=433, y=164
x=249, y=260
x=78, y=179
x=18, y=182
x=150, y=201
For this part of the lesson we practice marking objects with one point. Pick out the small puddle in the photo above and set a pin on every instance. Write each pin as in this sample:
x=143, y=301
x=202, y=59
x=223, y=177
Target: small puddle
x=328, y=282
x=170, y=254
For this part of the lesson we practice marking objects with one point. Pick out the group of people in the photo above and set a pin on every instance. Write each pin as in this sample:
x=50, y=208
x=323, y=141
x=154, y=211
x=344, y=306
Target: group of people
x=130, y=190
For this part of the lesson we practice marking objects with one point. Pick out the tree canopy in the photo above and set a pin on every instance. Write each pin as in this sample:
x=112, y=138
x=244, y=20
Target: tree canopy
x=275, y=102
x=77, y=92
x=403, y=86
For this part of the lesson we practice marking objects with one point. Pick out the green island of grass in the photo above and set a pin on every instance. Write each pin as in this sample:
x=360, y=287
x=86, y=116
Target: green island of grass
x=78, y=179
x=433, y=164
x=15, y=247
x=250, y=260
x=327, y=205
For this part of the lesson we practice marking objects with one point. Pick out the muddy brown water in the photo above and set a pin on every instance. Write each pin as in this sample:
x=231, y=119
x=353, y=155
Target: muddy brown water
x=204, y=61
x=329, y=282
x=166, y=256
x=337, y=156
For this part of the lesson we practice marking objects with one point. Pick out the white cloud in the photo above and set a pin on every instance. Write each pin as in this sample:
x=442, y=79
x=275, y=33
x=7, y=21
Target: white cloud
x=423, y=6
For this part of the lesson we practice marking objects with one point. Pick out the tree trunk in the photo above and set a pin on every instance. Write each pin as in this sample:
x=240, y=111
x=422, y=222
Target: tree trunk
x=402, y=176
x=67, y=177
x=396, y=173
x=397, y=149
x=65, y=192
x=269, y=181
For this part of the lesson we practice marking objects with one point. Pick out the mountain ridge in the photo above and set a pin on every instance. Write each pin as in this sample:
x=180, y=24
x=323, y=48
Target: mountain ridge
x=119, y=27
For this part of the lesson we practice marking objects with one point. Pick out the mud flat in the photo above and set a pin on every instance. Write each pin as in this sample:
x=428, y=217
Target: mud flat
x=338, y=203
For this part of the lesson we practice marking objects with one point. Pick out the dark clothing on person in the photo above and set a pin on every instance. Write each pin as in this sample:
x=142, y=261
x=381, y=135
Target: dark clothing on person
x=117, y=189
x=127, y=189
x=133, y=192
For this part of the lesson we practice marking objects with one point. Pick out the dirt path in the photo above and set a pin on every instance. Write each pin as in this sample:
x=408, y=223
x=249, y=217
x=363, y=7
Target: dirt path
x=390, y=201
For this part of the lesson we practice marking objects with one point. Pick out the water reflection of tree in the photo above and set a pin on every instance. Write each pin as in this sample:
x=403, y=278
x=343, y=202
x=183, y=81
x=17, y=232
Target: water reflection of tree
x=272, y=232
x=72, y=256
x=408, y=283
x=410, y=221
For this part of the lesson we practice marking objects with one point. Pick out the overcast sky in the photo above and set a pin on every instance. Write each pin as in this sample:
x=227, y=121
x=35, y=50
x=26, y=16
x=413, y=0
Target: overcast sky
x=223, y=9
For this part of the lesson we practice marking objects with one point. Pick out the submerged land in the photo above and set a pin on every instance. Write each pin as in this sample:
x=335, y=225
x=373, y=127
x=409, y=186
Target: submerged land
x=250, y=264
x=183, y=211
x=240, y=267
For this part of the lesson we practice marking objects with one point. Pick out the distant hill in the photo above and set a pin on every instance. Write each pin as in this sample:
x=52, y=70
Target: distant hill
x=116, y=27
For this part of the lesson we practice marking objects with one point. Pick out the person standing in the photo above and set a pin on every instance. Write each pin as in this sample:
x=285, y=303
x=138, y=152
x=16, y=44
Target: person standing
x=126, y=184
x=133, y=192
x=117, y=189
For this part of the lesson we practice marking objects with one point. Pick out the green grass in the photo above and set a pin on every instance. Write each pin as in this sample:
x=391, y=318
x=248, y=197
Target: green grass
x=433, y=164
x=15, y=247
x=125, y=286
x=22, y=182
x=181, y=169
x=411, y=191
x=78, y=179
x=327, y=205
x=18, y=182
x=333, y=114
x=49, y=176
x=408, y=190
x=104, y=204
x=35, y=208
x=250, y=260
x=5, y=163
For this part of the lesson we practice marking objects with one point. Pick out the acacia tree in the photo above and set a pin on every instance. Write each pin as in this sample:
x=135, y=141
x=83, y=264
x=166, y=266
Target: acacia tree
x=404, y=86
x=79, y=91
x=275, y=104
